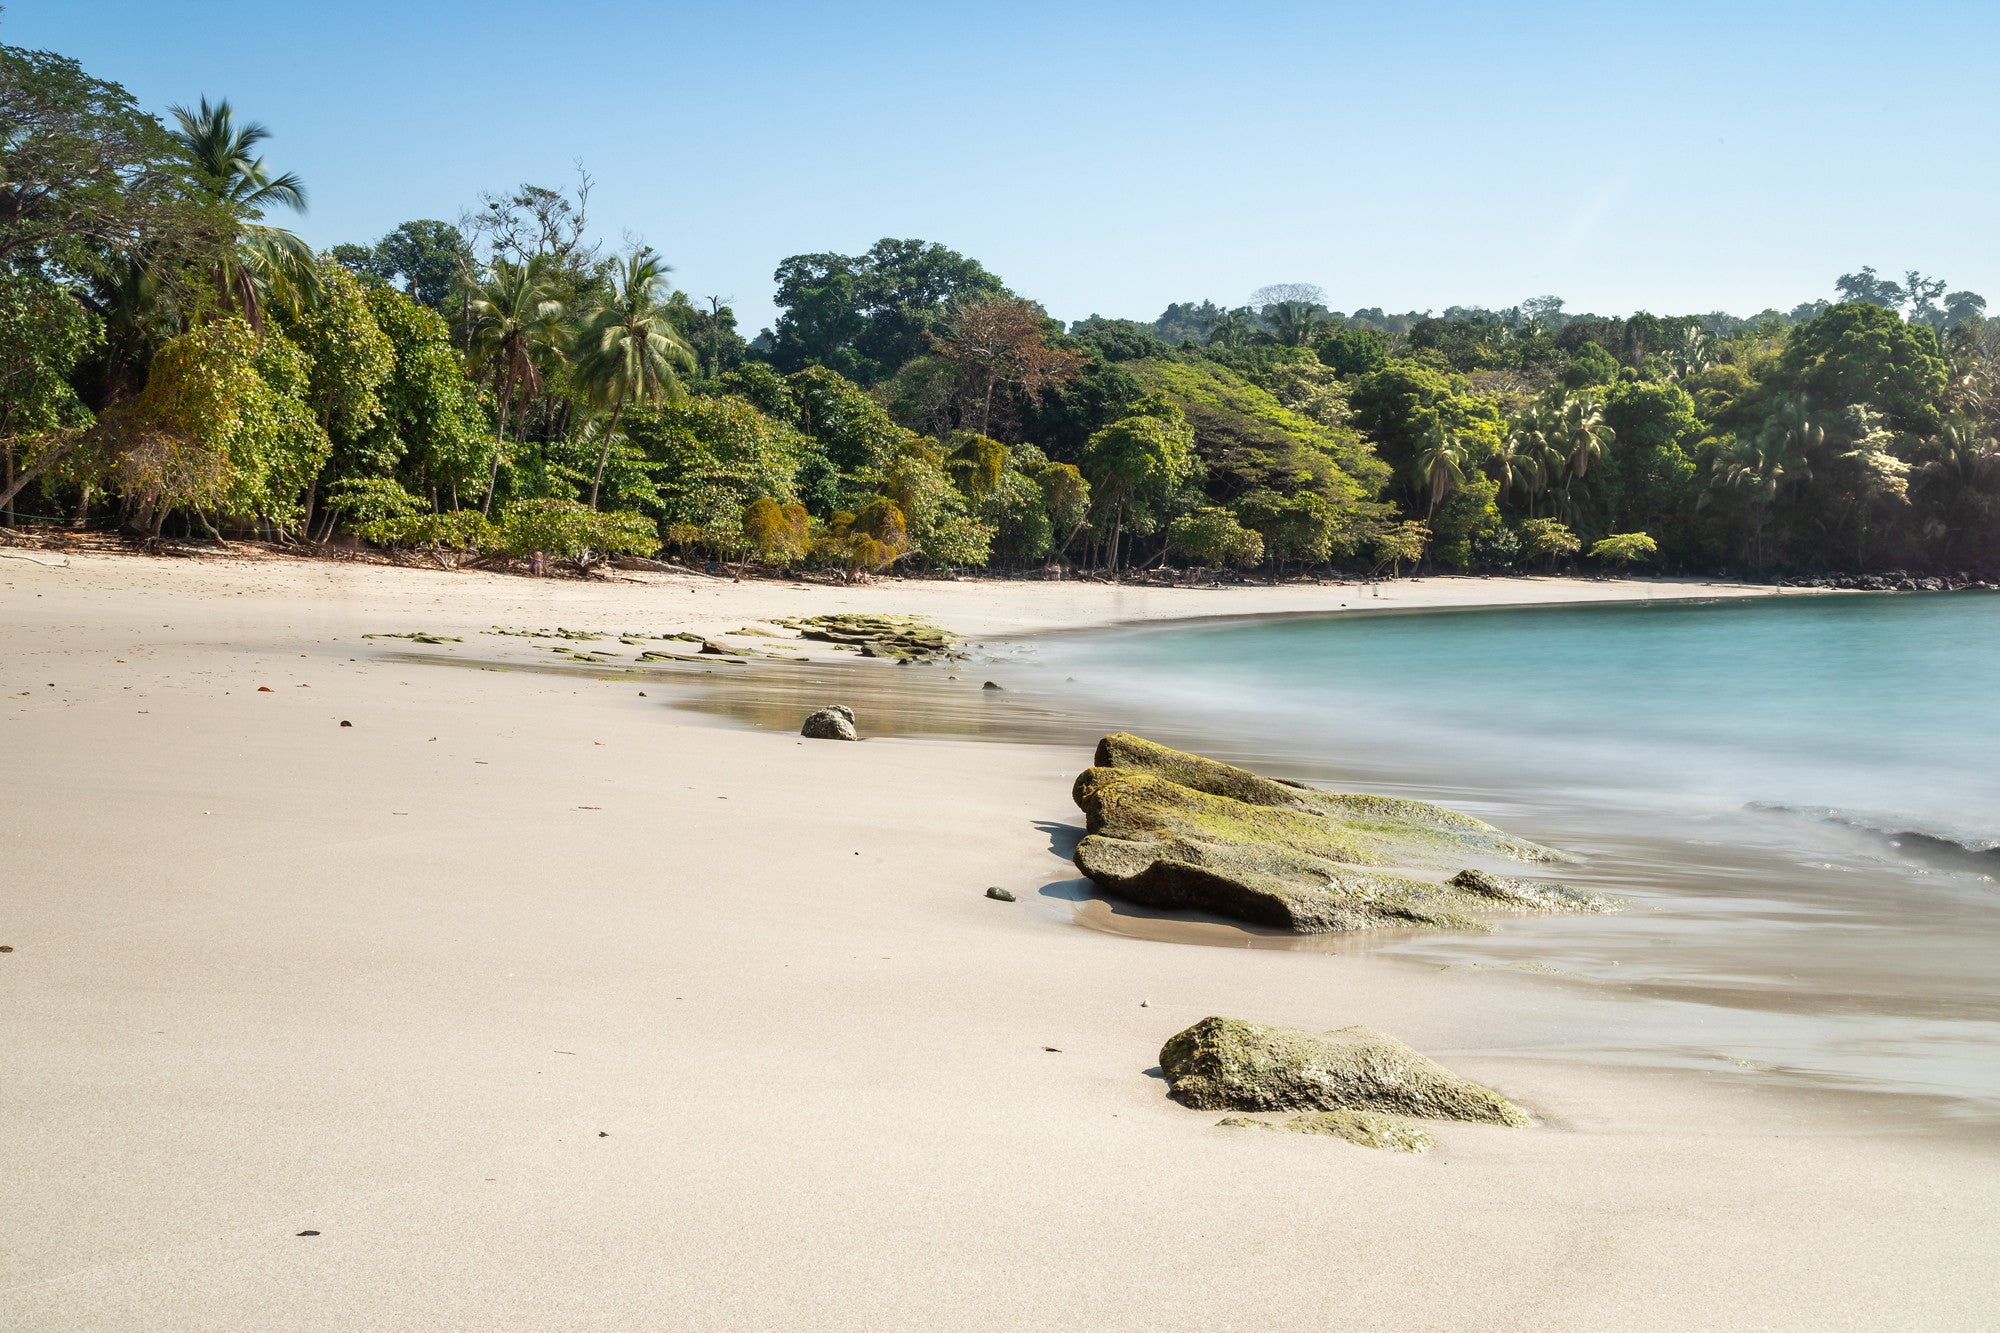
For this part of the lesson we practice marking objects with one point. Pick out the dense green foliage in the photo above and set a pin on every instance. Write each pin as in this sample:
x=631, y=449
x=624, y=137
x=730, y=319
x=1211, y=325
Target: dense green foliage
x=171, y=358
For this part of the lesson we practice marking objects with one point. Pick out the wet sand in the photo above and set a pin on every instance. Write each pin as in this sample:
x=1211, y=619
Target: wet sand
x=549, y=1006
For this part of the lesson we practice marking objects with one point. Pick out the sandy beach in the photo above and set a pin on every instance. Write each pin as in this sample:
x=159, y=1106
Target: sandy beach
x=550, y=1006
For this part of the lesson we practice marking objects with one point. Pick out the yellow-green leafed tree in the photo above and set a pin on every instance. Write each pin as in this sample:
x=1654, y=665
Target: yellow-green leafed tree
x=1548, y=539
x=1136, y=461
x=1212, y=538
x=871, y=540
x=220, y=428
x=939, y=526
x=1400, y=545
x=566, y=530
x=776, y=533
x=1624, y=548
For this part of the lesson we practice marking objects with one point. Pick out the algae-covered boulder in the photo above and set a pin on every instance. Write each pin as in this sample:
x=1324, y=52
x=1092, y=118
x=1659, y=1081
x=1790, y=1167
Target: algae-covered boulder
x=1175, y=830
x=1226, y=1064
x=835, y=722
x=1367, y=1129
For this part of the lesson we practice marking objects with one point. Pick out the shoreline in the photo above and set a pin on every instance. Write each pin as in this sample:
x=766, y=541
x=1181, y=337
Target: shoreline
x=984, y=606
x=390, y=983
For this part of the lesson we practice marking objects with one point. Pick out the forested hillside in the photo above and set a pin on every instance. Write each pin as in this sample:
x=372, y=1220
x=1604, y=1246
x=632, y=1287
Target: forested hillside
x=174, y=360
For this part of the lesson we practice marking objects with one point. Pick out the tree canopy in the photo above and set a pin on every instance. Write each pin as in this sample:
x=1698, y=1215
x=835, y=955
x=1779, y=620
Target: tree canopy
x=175, y=360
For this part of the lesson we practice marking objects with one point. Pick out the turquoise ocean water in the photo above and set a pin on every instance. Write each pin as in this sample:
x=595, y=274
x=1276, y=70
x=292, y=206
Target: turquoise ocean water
x=1800, y=795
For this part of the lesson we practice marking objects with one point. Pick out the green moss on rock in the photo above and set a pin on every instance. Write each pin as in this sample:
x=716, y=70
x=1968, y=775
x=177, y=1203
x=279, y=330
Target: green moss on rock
x=1368, y=1129
x=906, y=638
x=1227, y=1064
x=1136, y=754
x=1176, y=830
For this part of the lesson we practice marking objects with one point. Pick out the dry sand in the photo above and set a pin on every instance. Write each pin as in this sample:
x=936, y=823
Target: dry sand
x=551, y=1007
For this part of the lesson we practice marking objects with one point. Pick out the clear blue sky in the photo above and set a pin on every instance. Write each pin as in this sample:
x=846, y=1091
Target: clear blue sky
x=1114, y=157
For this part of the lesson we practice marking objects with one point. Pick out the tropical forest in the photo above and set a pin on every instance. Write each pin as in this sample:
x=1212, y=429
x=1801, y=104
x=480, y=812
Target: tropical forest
x=177, y=364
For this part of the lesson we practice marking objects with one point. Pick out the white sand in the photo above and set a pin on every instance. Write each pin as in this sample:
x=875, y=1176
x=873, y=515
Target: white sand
x=392, y=984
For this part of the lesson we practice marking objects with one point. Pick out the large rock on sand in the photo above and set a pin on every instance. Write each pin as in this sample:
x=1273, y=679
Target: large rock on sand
x=1174, y=830
x=1226, y=1064
x=835, y=722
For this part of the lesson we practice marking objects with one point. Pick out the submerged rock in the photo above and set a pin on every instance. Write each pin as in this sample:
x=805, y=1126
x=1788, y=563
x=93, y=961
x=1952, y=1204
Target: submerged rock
x=1532, y=895
x=1228, y=1064
x=1368, y=1129
x=1175, y=830
x=835, y=722
x=999, y=895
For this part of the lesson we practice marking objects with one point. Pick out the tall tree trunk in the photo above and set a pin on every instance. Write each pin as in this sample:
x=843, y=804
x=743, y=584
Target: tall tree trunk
x=604, y=455
x=1062, y=552
x=499, y=443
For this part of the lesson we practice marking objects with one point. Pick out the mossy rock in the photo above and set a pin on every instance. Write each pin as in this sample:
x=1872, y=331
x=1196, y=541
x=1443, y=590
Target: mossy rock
x=1226, y=1064
x=1367, y=1129
x=1174, y=830
x=905, y=638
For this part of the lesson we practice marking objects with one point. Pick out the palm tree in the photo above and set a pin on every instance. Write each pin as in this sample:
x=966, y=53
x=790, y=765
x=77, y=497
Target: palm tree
x=1763, y=465
x=1517, y=456
x=1692, y=355
x=260, y=262
x=1529, y=459
x=1293, y=323
x=1231, y=329
x=1439, y=465
x=511, y=315
x=1963, y=455
x=1962, y=471
x=1793, y=435
x=1580, y=436
x=627, y=348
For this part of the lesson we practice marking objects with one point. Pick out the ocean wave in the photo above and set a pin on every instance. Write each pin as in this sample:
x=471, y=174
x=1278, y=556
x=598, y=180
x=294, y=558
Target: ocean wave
x=1951, y=850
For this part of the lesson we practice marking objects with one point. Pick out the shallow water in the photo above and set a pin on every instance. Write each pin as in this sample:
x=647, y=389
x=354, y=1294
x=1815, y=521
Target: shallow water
x=1798, y=797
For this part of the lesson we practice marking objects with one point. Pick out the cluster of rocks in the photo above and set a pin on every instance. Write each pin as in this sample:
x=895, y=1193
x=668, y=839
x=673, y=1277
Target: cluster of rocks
x=1179, y=830
x=1893, y=581
x=904, y=638
x=1173, y=830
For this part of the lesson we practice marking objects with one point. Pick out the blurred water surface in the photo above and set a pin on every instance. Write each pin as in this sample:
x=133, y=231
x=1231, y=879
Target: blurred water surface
x=1799, y=797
